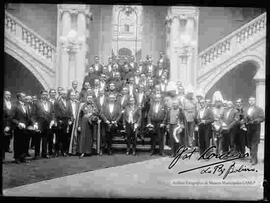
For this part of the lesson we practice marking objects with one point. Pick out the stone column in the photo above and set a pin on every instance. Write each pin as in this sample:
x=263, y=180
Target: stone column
x=81, y=54
x=183, y=44
x=260, y=94
x=64, y=55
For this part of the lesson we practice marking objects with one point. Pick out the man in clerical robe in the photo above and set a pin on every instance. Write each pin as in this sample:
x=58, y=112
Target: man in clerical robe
x=111, y=115
x=74, y=106
x=131, y=122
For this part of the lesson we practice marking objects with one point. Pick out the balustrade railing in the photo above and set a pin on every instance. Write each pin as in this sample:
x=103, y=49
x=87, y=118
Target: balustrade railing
x=232, y=40
x=29, y=37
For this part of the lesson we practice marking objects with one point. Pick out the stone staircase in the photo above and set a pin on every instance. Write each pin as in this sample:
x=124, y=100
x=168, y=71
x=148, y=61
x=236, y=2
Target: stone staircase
x=243, y=41
x=28, y=47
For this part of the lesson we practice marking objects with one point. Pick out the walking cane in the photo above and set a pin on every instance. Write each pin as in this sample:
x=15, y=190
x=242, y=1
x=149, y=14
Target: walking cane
x=98, y=137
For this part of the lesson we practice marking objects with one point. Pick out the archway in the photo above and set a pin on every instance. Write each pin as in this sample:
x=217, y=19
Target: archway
x=237, y=83
x=125, y=52
x=18, y=78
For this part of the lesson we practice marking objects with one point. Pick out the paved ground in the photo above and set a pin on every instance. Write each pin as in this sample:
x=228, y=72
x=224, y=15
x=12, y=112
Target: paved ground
x=153, y=179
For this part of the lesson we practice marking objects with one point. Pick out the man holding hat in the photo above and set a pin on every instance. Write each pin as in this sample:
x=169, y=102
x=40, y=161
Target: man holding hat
x=111, y=115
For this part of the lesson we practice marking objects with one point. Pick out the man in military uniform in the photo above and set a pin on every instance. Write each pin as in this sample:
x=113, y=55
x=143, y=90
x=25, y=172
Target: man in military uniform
x=189, y=108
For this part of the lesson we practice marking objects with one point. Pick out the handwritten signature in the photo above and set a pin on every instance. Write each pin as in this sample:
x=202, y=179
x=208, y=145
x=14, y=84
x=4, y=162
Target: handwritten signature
x=213, y=168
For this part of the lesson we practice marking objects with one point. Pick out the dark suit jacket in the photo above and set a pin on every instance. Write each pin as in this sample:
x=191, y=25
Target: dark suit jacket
x=231, y=119
x=99, y=69
x=160, y=116
x=7, y=118
x=114, y=116
x=208, y=116
x=90, y=78
x=77, y=104
x=256, y=117
x=142, y=102
x=62, y=112
x=136, y=115
x=20, y=117
x=98, y=103
x=125, y=101
x=44, y=117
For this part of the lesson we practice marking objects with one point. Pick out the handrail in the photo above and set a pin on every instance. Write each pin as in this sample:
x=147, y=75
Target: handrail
x=233, y=33
x=29, y=29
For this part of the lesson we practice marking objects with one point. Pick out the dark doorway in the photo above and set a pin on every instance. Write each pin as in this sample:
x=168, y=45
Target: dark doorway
x=238, y=83
x=18, y=78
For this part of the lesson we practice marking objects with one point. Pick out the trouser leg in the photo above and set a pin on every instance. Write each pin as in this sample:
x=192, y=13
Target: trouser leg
x=37, y=139
x=161, y=140
x=254, y=152
x=44, y=138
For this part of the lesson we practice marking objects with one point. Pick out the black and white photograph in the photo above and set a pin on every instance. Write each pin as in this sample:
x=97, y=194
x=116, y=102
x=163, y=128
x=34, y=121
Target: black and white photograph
x=134, y=101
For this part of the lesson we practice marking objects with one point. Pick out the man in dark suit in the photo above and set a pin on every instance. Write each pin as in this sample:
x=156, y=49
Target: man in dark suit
x=101, y=102
x=229, y=117
x=150, y=68
x=157, y=119
x=109, y=65
x=7, y=127
x=96, y=88
x=204, y=120
x=63, y=114
x=21, y=120
x=31, y=107
x=44, y=118
x=59, y=92
x=133, y=65
x=131, y=122
x=53, y=129
x=111, y=115
x=73, y=89
x=254, y=117
x=126, y=73
x=98, y=68
x=240, y=132
x=7, y=121
x=91, y=76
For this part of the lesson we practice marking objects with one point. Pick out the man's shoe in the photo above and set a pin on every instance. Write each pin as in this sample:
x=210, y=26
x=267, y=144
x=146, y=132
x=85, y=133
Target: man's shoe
x=17, y=161
x=134, y=153
x=127, y=153
x=45, y=156
x=100, y=153
x=28, y=155
x=64, y=154
x=152, y=153
x=81, y=156
x=110, y=152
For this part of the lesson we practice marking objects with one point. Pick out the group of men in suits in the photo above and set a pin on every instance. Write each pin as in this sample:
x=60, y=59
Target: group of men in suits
x=131, y=98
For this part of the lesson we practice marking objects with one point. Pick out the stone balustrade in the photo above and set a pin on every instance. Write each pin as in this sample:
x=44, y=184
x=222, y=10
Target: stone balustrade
x=232, y=41
x=29, y=37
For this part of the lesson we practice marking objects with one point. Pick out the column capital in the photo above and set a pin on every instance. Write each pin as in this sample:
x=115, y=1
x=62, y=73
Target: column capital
x=260, y=75
x=74, y=9
x=182, y=12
